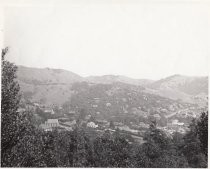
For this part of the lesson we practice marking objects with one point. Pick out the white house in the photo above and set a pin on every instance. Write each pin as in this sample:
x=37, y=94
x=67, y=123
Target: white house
x=176, y=122
x=52, y=123
x=49, y=111
x=92, y=125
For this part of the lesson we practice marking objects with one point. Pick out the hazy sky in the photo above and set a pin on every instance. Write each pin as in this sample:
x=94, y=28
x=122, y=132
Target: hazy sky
x=139, y=39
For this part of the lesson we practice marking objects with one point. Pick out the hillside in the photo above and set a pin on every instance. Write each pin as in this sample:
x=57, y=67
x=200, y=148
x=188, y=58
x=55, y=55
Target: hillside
x=186, y=88
x=185, y=84
x=121, y=102
x=37, y=76
x=54, y=86
x=108, y=79
x=48, y=86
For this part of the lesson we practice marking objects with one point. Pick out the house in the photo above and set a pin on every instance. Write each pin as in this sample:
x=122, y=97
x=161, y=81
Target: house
x=70, y=123
x=118, y=124
x=97, y=100
x=36, y=104
x=126, y=128
x=71, y=113
x=108, y=104
x=143, y=125
x=50, y=124
x=63, y=127
x=171, y=108
x=98, y=113
x=163, y=110
x=124, y=110
x=63, y=119
x=49, y=111
x=176, y=122
x=103, y=123
x=92, y=125
x=45, y=127
x=87, y=117
x=181, y=130
x=157, y=116
x=20, y=110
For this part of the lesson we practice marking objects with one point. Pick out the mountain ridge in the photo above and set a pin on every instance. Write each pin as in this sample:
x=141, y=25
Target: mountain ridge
x=54, y=85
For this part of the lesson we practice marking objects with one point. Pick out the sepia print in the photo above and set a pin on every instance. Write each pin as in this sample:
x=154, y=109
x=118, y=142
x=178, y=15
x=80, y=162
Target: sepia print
x=100, y=83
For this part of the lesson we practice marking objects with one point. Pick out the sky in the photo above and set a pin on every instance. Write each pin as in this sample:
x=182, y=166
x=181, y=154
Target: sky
x=149, y=39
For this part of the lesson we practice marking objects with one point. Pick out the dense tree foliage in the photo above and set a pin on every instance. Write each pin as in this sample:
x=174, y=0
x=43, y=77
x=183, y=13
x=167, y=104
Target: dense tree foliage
x=14, y=125
x=196, y=142
x=202, y=130
x=25, y=145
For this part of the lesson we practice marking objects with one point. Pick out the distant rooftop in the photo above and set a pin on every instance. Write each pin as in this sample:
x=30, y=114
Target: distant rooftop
x=52, y=120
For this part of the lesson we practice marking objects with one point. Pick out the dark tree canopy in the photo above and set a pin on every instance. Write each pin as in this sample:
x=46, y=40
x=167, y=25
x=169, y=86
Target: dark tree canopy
x=14, y=125
x=202, y=130
x=10, y=118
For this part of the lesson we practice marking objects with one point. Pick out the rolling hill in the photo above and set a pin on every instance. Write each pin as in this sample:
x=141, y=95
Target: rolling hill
x=185, y=84
x=46, y=76
x=54, y=86
x=48, y=86
x=185, y=88
x=108, y=79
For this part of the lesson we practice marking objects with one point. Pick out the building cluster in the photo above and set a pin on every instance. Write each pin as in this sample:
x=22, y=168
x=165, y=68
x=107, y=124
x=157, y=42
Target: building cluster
x=173, y=112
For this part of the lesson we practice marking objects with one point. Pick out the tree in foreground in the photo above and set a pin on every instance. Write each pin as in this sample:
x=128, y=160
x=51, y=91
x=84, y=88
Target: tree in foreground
x=196, y=142
x=202, y=130
x=158, y=151
x=9, y=105
x=13, y=123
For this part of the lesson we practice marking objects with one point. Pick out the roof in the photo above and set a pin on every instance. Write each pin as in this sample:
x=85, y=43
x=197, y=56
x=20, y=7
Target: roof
x=44, y=126
x=21, y=110
x=71, y=112
x=52, y=120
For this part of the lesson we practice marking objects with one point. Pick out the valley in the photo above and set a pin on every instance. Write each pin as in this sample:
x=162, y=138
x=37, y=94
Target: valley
x=112, y=102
